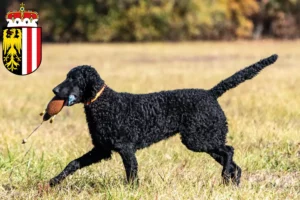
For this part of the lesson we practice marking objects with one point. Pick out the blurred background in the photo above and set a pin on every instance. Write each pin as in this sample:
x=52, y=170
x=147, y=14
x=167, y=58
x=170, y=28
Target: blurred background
x=143, y=46
x=162, y=20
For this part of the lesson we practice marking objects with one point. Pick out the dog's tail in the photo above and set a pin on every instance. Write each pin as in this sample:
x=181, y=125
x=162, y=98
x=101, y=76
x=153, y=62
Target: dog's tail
x=241, y=76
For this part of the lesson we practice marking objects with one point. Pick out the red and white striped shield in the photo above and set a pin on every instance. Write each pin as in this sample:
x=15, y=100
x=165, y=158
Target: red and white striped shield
x=31, y=49
x=22, y=49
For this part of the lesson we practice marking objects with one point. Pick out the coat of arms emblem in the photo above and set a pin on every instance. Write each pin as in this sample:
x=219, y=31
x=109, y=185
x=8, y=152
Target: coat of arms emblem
x=22, y=43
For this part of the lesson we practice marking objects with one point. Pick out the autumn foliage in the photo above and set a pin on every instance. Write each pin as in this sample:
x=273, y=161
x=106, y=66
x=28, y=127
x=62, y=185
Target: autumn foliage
x=171, y=20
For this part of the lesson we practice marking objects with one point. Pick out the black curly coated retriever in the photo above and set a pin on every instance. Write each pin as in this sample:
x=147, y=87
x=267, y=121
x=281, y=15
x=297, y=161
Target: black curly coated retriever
x=125, y=122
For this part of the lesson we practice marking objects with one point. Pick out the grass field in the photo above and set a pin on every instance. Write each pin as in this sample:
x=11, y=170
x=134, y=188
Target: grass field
x=263, y=116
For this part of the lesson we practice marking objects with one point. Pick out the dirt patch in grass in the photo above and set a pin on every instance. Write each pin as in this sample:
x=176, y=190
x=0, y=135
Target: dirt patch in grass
x=278, y=180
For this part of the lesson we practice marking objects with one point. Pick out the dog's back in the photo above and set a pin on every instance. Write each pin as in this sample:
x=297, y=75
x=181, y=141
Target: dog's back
x=156, y=116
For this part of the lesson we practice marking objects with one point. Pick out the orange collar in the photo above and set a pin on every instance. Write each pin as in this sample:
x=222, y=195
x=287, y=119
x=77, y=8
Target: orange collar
x=97, y=95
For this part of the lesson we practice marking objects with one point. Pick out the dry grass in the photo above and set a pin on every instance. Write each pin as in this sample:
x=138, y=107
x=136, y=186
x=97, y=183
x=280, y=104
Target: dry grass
x=263, y=116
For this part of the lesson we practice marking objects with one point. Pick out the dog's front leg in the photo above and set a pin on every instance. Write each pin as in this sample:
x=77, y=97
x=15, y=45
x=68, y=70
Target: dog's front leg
x=95, y=155
x=130, y=164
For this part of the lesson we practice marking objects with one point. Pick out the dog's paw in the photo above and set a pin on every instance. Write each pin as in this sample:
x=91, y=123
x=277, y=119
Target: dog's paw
x=236, y=176
x=53, y=182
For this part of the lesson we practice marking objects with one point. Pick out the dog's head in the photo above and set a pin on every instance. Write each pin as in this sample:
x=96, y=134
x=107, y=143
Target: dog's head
x=81, y=85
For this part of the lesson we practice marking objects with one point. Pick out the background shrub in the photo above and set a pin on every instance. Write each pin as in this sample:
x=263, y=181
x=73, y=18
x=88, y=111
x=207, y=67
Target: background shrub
x=173, y=20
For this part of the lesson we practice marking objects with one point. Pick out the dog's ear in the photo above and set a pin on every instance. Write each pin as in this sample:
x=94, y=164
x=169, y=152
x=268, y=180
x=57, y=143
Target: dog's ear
x=93, y=83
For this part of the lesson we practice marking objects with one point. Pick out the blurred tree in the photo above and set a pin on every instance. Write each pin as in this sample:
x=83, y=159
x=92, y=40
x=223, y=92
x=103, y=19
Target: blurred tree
x=241, y=11
x=147, y=20
x=285, y=23
x=260, y=19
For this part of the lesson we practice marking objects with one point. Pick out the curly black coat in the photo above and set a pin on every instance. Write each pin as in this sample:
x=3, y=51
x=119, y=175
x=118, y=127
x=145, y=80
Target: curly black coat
x=124, y=122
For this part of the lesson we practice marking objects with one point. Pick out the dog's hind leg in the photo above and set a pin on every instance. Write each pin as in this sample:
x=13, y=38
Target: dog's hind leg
x=95, y=155
x=235, y=170
x=130, y=164
x=224, y=155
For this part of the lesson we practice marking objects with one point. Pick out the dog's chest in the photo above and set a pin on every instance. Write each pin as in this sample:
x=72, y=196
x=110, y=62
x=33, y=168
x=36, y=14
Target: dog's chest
x=101, y=126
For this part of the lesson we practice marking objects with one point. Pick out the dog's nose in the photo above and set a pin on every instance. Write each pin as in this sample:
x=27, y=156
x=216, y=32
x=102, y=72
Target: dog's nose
x=56, y=90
